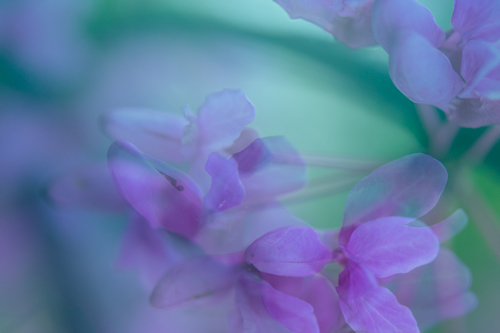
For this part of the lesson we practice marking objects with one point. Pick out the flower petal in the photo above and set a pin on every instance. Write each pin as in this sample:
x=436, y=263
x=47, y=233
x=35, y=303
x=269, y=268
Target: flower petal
x=437, y=291
x=250, y=315
x=450, y=226
x=354, y=30
x=476, y=19
x=156, y=133
x=192, y=282
x=222, y=118
x=367, y=307
x=289, y=251
x=291, y=312
x=387, y=246
x=409, y=186
x=161, y=194
x=390, y=18
x=226, y=190
x=316, y=290
x=474, y=112
x=422, y=72
x=479, y=59
x=270, y=167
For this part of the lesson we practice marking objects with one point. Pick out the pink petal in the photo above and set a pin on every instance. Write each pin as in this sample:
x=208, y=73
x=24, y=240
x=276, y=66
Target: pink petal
x=476, y=19
x=422, y=72
x=367, y=307
x=387, y=246
x=192, y=282
x=409, y=186
x=226, y=190
x=222, y=118
x=161, y=194
x=156, y=133
x=289, y=251
x=450, y=226
x=393, y=17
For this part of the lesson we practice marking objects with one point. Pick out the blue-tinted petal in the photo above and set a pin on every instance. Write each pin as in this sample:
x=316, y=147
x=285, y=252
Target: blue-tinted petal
x=390, y=18
x=409, y=186
x=422, y=72
x=477, y=19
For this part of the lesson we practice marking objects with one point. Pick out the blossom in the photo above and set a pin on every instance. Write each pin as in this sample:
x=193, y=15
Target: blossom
x=459, y=71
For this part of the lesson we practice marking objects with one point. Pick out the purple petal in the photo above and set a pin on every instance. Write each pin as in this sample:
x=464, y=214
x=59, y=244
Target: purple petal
x=316, y=290
x=474, y=112
x=450, y=226
x=222, y=118
x=353, y=30
x=479, y=59
x=437, y=291
x=477, y=19
x=156, y=133
x=393, y=17
x=422, y=72
x=161, y=194
x=270, y=167
x=234, y=230
x=90, y=187
x=367, y=307
x=250, y=315
x=192, y=282
x=291, y=312
x=409, y=186
x=152, y=251
x=289, y=251
x=387, y=246
x=227, y=190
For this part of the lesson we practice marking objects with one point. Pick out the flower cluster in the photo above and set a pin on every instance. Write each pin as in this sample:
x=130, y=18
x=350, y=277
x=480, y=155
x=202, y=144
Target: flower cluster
x=230, y=244
x=457, y=71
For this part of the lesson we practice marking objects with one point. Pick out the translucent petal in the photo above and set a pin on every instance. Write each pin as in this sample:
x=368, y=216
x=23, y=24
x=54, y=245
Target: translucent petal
x=387, y=246
x=161, y=194
x=479, y=59
x=291, y=312
x=390, y=18
x=367, y=307
x=226, y=190
x=422, y=72
x=289, y=251
x=409, y=186
x=316, y=290
x=156, y=133
x=477, y=19
x=222, y=118
x=191, y=282
x=250, y=315
x=270, y=167
x=437, y=291
x=451, y=226
x=354, y=30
